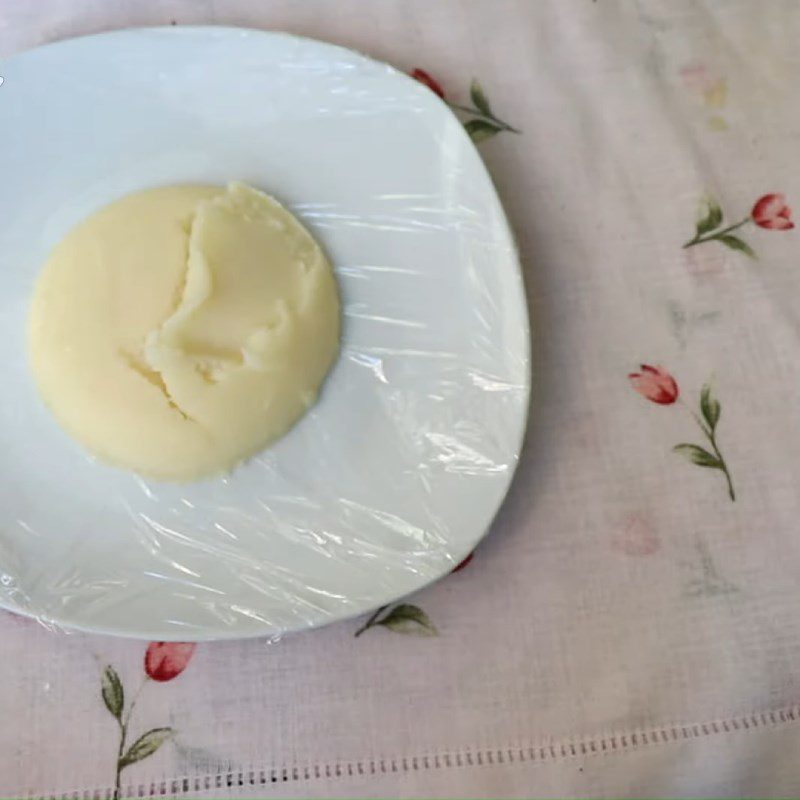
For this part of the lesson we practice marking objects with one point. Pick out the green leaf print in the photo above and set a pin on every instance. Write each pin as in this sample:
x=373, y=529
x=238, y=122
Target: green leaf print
x=697, y=455
x=145, y=746
x=482, y=123
x=112, y=691
x=711, y=219
x=480, y=129
x=735, y=243
x=710, y=407
x=408, y=619
x=479, y=99
x=403, y=618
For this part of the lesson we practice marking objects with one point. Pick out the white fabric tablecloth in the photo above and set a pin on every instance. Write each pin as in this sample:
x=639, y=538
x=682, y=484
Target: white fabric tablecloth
x=627, y=628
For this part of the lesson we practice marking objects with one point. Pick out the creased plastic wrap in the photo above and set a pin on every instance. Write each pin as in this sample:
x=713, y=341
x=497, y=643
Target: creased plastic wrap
x=393, y=477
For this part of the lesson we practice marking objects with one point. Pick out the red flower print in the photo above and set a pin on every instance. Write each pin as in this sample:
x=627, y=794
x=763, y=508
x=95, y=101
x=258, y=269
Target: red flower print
x=423, y=77
x=771, y=212
x=636, y=537
x=656, y=384
x=164, y=661
x=463, y=563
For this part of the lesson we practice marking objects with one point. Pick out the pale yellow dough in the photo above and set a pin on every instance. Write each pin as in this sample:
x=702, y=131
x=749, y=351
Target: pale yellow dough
x=180, y=330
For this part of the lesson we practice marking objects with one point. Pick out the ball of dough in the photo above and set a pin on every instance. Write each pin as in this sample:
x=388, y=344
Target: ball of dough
x=180, y=330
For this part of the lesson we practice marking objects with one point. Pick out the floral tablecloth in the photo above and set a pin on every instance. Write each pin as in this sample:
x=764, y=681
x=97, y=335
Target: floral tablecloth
x=630, y=626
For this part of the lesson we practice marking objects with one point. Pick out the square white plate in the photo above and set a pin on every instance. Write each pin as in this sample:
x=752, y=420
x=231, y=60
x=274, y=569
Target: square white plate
x=398, y=471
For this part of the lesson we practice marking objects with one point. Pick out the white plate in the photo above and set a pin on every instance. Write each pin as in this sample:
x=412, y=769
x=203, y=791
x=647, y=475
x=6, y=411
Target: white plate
x=396, y=474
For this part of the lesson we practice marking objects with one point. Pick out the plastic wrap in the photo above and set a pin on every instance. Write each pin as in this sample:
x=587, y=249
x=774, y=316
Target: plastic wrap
x=393, y=477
